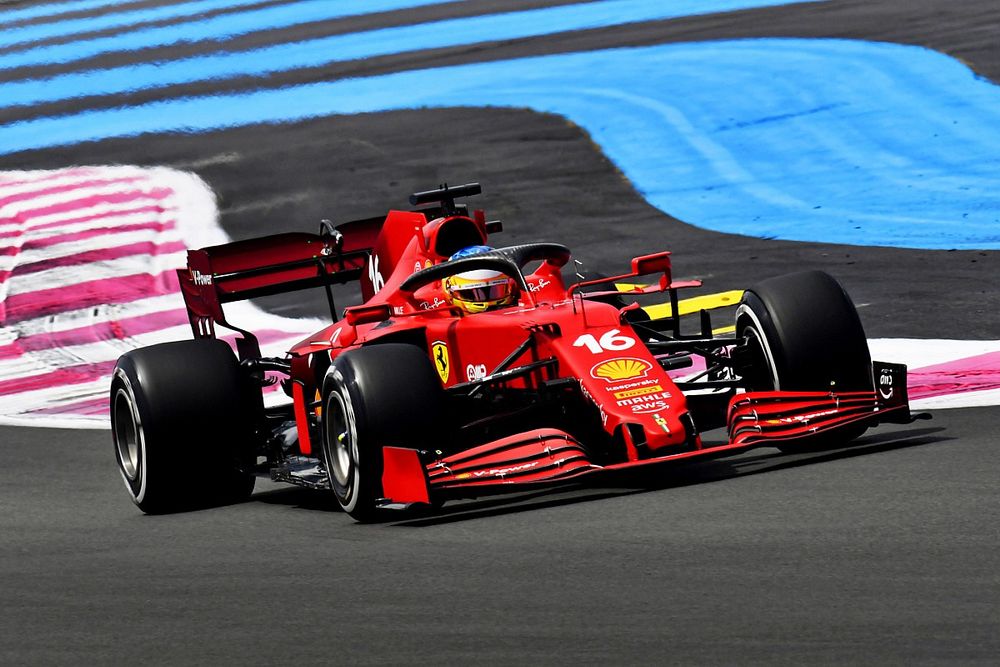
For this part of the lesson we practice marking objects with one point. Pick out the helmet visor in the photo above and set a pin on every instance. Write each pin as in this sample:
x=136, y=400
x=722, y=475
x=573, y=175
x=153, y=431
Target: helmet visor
x=482, y=293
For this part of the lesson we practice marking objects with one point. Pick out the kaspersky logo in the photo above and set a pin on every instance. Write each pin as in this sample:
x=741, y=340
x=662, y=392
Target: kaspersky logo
x=624, y=368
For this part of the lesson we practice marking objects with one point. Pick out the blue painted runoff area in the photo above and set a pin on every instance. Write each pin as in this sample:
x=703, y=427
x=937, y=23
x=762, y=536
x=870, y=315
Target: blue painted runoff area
x=118, y=19
x=47, y=9
x=218, y=28
x=806, y=140
x=317, y=52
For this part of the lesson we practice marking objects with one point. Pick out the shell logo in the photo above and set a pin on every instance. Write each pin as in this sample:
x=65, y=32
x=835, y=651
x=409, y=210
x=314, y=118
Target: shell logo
x=615, y=370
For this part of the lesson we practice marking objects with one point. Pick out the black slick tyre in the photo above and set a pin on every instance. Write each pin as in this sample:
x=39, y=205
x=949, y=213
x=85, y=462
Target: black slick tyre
x=804, y=334
x=183, y=423
x=387, y=394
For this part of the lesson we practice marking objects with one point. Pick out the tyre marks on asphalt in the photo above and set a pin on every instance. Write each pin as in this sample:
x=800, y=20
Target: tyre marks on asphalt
x=789, y=139
x=353, y=46
x=218, y=29
x=127, y=18
x=52, y=10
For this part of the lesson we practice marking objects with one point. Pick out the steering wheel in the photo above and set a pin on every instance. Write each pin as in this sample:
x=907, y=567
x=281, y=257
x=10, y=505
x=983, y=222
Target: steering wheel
x=508, y=261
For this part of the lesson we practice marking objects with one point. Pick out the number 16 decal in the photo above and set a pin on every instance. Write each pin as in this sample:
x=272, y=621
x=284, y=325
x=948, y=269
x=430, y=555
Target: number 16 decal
x=611, y=341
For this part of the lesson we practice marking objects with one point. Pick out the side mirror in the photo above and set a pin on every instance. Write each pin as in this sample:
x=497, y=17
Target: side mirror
x=356, y=315
x=656, y=263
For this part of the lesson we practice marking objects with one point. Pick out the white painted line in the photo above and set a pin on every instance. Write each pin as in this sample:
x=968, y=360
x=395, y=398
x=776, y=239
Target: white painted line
x=968, y=399
x=920, y=353
x=100, y=242
x=74, y=319
x=68, y=276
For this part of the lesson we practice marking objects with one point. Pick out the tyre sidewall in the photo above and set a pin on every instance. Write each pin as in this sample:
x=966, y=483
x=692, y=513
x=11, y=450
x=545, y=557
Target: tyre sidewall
x=390, y=395
x=754, y=321
x=813, y=336
x=123, y=388
x=364, y=465
x=196, y=415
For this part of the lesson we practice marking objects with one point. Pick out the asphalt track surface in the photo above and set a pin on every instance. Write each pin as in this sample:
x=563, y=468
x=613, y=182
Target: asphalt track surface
x=885, y=552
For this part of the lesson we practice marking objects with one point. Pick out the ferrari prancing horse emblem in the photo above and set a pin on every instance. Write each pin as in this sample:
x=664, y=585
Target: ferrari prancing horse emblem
x=439, y=350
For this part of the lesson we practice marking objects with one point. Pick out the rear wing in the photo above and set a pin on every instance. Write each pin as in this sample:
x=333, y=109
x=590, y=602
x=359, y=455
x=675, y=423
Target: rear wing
x=294, y=261
x=271, y=265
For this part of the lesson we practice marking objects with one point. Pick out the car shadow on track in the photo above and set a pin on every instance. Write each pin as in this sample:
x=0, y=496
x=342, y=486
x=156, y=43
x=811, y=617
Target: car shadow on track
x=299, y=498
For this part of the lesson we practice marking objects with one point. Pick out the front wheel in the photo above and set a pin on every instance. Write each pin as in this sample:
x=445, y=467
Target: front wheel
x=803, y=333
x=383, y=395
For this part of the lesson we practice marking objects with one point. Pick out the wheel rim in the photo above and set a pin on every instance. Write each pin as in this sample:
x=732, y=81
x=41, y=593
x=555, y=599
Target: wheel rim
x=126, y=433
x=340, y=440
x=765, y=376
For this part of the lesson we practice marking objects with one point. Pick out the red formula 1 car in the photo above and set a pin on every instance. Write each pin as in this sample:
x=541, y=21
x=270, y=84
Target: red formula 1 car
x=416, y=397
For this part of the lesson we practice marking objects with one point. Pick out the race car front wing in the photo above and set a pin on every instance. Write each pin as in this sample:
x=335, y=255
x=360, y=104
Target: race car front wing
x=550, y=456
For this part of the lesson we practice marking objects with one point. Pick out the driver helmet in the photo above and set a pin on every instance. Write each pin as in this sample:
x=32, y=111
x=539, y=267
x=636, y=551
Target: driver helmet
x=480, y=290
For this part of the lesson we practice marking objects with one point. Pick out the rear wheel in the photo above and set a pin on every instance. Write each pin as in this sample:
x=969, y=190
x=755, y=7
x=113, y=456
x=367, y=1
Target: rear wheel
x=183, y=419
x=376, y=396
x=803, y=334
